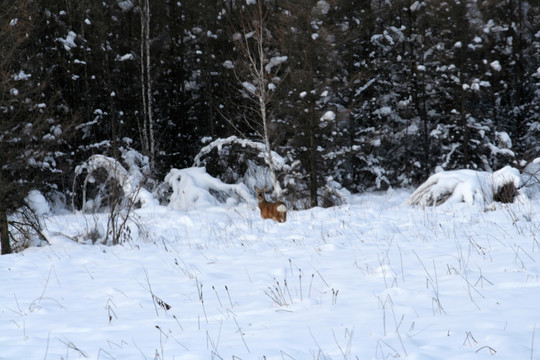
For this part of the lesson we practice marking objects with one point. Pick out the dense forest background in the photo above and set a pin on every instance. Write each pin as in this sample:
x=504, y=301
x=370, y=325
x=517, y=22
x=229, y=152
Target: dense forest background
x=355, y=94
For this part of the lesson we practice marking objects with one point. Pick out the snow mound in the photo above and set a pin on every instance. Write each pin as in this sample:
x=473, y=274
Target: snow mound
x=464, y=186
x=195, y=188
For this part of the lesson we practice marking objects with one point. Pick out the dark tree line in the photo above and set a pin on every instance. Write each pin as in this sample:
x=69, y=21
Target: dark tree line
x=364, y=94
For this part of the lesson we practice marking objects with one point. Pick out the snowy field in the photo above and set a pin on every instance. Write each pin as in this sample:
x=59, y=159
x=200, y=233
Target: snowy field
x=374, y=279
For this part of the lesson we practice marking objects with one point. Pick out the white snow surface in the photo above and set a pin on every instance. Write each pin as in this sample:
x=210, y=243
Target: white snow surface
x=373, y=279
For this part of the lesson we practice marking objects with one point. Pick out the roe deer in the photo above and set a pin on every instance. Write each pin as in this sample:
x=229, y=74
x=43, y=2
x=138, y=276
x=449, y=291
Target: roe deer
x=276, y=211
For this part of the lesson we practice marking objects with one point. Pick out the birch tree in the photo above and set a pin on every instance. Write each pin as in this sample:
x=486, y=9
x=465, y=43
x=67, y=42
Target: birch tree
x=147, y=128
x=259, y=76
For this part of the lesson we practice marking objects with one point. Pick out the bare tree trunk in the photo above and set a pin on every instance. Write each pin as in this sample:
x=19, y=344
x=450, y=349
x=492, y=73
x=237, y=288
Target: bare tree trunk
x=313, y=183
x=147, y=131
x=4, y=233
x=266, y=136
x=144, y=134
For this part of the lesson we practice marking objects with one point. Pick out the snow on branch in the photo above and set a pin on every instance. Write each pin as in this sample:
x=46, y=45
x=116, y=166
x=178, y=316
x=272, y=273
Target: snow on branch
x=365, y=86
x=275, y=61
x=68, y=41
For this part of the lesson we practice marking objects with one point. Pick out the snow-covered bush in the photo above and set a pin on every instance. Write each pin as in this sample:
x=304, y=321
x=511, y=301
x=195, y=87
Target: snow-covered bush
x=241, y=161
x=26, y=225
x=106, y=181
x=505, y=184
x=531, y=179
x=107, y=186
x=234, y=160
x=334, y=194
x=195, y=188
x=468, y=186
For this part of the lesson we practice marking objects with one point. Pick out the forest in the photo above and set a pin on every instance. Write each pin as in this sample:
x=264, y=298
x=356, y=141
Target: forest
x=317, y=95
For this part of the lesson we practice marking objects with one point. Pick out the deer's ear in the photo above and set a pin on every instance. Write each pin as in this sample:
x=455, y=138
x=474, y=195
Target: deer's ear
x=257, y=189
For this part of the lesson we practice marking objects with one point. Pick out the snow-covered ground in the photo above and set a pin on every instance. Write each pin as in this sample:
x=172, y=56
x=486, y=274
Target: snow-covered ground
x=374, y=279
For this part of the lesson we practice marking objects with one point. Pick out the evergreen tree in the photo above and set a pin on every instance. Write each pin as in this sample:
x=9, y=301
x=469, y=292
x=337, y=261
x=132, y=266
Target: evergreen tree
x=309, y=89
x=33, y=126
